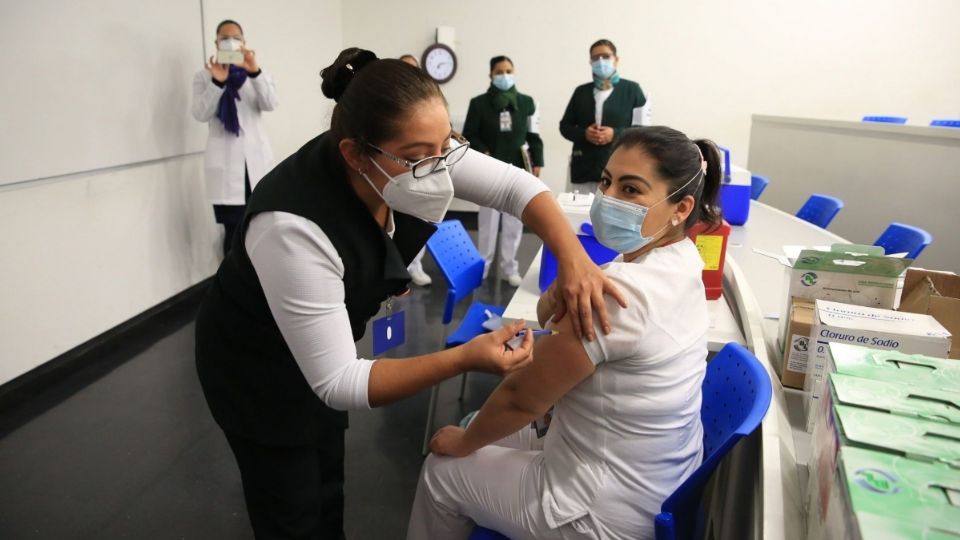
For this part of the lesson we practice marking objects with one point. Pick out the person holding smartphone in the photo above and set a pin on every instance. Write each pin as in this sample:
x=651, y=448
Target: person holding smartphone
x=230, y=94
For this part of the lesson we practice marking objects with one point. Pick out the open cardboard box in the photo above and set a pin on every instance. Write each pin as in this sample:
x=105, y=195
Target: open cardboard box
x=936, y=294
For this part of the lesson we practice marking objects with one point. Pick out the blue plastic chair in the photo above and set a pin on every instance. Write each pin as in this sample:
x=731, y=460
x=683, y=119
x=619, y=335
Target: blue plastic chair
x=599, y=254
x=820, y=209
x=943, y=122
x=757, y=185
x=736, y=395
x=462, y=267
x=902, y=238
x=886, y=119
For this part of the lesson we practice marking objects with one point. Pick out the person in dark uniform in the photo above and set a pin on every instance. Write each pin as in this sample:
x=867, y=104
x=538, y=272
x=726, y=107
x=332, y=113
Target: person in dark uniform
x=325, y=240
x=597, y=113
x=505, y=124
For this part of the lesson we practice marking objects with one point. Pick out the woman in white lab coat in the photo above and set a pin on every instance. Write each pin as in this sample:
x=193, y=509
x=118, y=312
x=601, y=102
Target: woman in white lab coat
x=231, y=98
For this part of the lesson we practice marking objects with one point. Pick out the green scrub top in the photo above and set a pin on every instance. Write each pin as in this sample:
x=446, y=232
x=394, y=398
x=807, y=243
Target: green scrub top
x=486, y=133
x=587, y=160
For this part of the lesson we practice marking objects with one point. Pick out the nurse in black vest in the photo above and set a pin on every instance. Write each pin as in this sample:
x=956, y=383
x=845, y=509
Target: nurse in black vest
x=326, y=239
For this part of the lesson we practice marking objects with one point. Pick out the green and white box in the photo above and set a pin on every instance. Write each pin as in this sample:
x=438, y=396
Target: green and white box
x=861, y=280
x=879, y=496
x=846, y=426
x=895, y=366
x=895, y=398
x=834, y=322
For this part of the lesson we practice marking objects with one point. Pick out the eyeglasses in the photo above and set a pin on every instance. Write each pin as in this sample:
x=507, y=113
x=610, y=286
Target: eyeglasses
x=428, y=165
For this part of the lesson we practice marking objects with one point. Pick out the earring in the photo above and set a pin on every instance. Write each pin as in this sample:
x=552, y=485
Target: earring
x=675, y=221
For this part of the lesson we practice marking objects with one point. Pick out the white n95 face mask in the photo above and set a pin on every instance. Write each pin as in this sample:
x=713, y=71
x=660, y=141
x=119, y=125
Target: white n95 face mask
x=427, y=198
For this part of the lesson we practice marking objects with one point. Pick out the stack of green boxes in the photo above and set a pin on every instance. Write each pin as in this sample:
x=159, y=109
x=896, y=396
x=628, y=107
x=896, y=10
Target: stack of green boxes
x=885, y=457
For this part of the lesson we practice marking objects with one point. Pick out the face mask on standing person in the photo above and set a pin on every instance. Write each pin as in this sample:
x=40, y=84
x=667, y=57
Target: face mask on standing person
x=603, y=67
x=503, y=81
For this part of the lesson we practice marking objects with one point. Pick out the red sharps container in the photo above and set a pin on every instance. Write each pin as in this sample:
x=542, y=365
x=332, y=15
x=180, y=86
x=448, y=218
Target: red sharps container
x=711, y=241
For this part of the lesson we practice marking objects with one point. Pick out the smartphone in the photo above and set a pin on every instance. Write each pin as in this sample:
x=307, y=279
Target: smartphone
x=230, y=57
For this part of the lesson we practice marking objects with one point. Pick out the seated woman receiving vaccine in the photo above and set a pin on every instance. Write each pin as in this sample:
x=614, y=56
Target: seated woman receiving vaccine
x=625, y=429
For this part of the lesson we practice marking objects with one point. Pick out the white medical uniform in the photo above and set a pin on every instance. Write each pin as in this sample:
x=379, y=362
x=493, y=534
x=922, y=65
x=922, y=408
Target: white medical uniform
x=620, y=441
x=227, y=154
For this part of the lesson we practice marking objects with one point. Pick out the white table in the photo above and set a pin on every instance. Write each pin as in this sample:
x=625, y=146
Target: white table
x=523, y=305
x=755, y=284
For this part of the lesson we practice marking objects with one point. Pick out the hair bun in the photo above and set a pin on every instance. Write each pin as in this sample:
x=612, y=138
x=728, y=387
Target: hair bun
x=337, y=76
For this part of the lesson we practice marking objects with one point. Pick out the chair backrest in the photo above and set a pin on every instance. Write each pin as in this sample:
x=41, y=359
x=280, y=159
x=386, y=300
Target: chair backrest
x=886, y=119
x=736, y=395
x=902, y=238
x=757, y=185
x=459, y=262
x=945, y=122
x=599, y=254
x=820, y=209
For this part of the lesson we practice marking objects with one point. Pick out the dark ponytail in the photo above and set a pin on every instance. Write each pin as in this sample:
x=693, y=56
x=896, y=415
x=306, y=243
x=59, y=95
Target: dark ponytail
x=678, y=160
x=373, y=96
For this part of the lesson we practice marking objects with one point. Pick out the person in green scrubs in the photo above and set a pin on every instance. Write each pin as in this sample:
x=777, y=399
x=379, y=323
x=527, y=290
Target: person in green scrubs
x=597, y=113
x=505, y=124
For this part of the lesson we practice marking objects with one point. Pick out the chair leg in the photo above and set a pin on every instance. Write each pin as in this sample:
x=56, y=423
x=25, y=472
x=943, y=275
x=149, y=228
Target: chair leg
x=463, y=385
x=431, y=414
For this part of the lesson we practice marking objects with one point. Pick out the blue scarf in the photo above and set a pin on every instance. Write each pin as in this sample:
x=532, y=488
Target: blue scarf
x=227, y=108
x=614, y=79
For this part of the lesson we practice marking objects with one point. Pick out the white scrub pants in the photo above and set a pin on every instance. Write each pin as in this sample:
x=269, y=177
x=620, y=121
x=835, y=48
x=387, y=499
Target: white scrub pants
x=487, y=221
x=416, y=265
x=498, y=487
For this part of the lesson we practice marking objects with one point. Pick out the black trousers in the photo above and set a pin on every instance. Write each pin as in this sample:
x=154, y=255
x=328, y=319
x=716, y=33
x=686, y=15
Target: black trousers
x=230, y=215
x=293, y=492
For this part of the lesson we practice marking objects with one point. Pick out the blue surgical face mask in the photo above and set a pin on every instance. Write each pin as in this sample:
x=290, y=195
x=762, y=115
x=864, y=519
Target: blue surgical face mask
x=619, y=224
x=603, y=67
x=503, y=81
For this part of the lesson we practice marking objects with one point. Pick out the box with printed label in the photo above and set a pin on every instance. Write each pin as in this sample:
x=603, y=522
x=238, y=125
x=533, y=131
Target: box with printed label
x=800, y=323
x=862, y=280
x=893, y=397
x=834, y=322
x=847, y=426
x=884, y=496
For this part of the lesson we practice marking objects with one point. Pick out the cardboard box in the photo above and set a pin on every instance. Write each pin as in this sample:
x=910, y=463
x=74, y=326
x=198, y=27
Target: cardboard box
x=890, y=397
x=912, y=333
x=846, y=426
x=799, y=326
x=883, y=496
x=861, y=280
x=936, y=294
x=894, y=366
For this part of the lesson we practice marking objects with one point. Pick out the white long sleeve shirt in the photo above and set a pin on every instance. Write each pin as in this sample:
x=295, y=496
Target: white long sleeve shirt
x=302, y=278
x=227, y=154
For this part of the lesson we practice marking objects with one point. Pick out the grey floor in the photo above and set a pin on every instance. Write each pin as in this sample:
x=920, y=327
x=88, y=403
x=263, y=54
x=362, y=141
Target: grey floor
x=127, y=448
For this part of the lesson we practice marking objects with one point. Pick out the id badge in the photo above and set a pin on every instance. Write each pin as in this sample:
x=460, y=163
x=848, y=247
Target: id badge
x=388, y=331
x=506, y=121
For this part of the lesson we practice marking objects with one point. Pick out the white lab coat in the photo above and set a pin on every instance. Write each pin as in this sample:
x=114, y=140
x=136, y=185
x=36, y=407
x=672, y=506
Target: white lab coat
x=226, y=153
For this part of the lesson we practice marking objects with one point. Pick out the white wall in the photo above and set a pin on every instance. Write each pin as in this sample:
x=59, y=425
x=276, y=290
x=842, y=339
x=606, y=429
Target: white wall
x=84, y=252
x=708, y=65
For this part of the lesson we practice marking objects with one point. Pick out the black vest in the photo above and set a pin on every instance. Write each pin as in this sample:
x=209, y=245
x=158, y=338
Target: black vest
x=251, y=381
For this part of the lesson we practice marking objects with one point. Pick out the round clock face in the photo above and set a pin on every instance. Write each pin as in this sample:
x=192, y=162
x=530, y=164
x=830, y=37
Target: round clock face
x=440, y=62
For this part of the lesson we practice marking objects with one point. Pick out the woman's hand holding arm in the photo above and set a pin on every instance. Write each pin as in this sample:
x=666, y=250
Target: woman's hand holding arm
x=580, y=284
